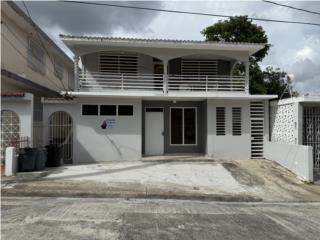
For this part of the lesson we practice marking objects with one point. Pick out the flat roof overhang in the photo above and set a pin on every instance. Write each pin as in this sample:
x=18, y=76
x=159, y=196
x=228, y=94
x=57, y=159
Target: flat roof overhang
x=82, y=45
x=172, y=95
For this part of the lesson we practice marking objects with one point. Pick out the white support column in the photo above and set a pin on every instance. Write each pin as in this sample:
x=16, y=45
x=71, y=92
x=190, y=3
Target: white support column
x=247, y=77
x=165, y=76
x=76, y=72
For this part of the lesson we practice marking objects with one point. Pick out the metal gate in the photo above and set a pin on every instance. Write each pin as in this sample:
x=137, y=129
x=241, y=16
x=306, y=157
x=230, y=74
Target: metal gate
x=257, y=129
x=10, y=130
x=311, y=132
x=61, y=134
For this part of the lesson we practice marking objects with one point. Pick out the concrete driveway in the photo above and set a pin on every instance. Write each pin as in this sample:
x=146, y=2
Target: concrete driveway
x=246, y=180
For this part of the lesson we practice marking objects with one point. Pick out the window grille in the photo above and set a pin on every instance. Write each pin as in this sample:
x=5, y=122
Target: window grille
x=220, y=121
x=118, y=63
x=311, y=132
x=61, y=134
x=10, y=130
x=236, y=121
x=199, y=66
x=257, y=129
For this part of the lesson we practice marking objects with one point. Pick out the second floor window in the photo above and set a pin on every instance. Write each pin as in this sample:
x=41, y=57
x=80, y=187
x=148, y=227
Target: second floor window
x=118, y=63
x=58, y=70
x=36, y=57
x=198, y=67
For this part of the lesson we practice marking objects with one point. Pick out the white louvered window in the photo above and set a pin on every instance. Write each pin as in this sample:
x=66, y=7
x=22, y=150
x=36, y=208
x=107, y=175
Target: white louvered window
x=236, y=121
x=36, y=57
x=199, y=66
x=118, y=63
x=220, y=121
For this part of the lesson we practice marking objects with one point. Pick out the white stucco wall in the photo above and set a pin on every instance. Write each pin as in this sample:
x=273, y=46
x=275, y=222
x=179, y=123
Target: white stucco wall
x=228, y=146
x=296, y=158
x=93, y=144
x=24, y=108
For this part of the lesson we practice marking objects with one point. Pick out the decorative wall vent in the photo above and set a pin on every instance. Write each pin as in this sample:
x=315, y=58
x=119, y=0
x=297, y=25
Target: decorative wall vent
x=282, y=123
x=221, y=121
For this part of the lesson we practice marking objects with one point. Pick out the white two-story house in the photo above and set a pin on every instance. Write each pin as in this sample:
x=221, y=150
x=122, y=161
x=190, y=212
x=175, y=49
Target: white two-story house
x=144, y=97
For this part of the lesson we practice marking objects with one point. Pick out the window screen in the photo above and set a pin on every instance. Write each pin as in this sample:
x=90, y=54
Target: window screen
x=220, y=121
x=108, y=110
x=236, y=121
x=125, y=110
x=89, y=109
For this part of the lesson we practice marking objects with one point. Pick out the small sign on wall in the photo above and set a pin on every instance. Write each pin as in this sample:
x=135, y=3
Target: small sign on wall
x=108, y=123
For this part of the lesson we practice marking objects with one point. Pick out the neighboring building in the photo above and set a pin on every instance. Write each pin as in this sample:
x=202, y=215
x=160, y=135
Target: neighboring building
x=32, y=66
x=141, y=97
x=295, y=123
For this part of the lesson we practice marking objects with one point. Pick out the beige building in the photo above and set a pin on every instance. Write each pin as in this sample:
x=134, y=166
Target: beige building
x=32, y=66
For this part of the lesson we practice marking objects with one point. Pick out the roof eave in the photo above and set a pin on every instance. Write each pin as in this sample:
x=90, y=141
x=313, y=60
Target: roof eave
x=251, y=48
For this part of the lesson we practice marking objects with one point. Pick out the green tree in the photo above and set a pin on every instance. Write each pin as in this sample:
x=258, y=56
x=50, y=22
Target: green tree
x=278, y=82
x=241, y=29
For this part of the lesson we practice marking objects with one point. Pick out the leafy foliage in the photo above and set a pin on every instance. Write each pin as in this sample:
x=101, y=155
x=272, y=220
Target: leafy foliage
x=241, y=29
x=277, y=82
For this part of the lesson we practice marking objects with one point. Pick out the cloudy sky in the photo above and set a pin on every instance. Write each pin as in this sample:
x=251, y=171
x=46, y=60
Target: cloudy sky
x=295, y=48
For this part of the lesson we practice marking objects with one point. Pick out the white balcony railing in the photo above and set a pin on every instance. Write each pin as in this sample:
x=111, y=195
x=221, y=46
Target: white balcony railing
x=205, y=83
x=158, y=82
x=104, y=81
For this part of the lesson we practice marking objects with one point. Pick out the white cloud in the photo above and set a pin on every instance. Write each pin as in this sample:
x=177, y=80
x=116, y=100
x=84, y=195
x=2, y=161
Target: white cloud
x=304, y=53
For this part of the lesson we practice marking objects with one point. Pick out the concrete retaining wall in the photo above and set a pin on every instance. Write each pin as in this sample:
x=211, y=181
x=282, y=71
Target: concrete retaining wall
x=296, y=158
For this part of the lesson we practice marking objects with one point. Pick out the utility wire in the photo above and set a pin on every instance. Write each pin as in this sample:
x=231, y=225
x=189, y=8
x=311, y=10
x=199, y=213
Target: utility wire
x=41, y=42
x=288, y=6
x=187, y=12
x=26, y=58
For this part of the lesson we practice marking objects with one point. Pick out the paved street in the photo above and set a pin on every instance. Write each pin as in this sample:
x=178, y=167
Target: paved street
x=89, y=218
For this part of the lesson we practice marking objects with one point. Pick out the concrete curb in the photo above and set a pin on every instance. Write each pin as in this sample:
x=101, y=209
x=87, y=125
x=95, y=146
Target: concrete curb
x=197, y=197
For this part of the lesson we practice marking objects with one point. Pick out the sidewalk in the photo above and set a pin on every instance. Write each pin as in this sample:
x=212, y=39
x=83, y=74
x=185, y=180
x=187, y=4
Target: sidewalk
x=248, y=180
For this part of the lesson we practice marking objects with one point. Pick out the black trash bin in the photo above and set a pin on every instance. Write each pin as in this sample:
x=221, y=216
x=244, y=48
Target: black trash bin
x=27, y=159
x=53, y=155
x=41, y=159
